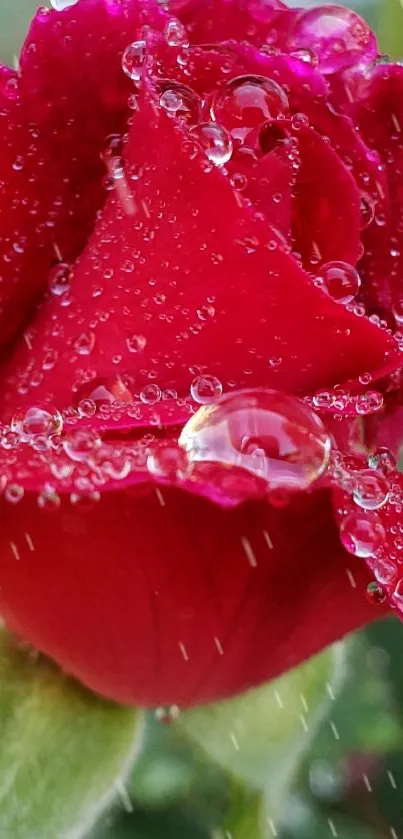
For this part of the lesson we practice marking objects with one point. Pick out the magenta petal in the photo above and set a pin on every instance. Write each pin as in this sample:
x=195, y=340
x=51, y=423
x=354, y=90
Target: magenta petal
x=225, y=299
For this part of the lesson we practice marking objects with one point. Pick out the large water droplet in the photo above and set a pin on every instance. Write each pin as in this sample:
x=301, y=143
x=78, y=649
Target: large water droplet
x=268, y=434
x=362, y=534
x=133, y=60
x=179, y=100
x=338, y=37
x=103, y=391
x=371, y=490
x=206, y=389
x=215, y=141
x=340, y=280
x=168, y=461
x=175, y=34
x=41, y=420
x=246, y=102
x=60, y=277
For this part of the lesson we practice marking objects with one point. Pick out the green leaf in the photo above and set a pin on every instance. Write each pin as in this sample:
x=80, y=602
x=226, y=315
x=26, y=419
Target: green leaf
x=390, y=27
x=64, y=753
x=260, y=737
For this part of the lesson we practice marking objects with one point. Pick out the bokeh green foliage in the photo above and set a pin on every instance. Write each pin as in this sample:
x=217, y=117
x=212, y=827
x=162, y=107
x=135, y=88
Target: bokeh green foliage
x=346, y=781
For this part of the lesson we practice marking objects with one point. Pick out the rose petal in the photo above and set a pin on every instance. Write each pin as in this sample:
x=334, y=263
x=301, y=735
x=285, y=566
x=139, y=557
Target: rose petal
x=177, y=260
x=218, y=20
x=71, y=93
x=379, y=113
x=180, y=602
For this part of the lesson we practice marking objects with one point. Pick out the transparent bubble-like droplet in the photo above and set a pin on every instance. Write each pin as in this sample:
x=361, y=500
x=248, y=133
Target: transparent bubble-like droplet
x=369, y=403
x=338, y=37
x=247, y=102
x=206, y=389
x=14, y=493
x=215, y=141
x=81, y=445
x=168, y=461
x=175, y=34
x=103, y=391
x=179, y=100
x=133, y=60
x=266, y=433
x=151, y=394
x=371, y=490
x=85, y=343
x=362, y=534
x=60, y=5
x=48, y=499
x=385, y=570
x=383, y=460
x=375, y=594
x=340, y=280
x=60, y=277
x=41, y=420
x=136, y=343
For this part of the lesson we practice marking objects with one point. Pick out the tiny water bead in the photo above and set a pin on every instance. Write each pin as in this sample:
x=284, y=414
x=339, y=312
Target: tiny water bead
x=215, y=141
x=369, y=403
x=168, y=461
x=179, y=100
x=340, y=280
x=247, y=102
x=60, y=277
x=133, y=60
x=375, y=594
x=338, y=37
x=262, y=432
x=41, y=420
x=103, y=391
x=136, y=343
x=383, y=460
x=371, y=490
x=206, y=389
x=362, y=533
x=175, y=34
x=14, y=493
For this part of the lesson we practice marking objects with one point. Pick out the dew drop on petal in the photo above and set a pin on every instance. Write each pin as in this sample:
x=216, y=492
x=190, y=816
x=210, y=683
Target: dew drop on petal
x=14, y=493
x=375, y=594
x=385, y=570
x=103, y=391
x=206, y=389
x=362, y=534
x=175, y=34
x=168, y=461
x=37, y=421
x=340, y=280
x=151, y=394
x=263, y=432
x=369, y=403
x=215, y=141
x=136, y=343
x=60, y=277
x=338, y=37
x=371, y=490
x=133, y=60
x=383, y=460
x=48, y=499
x=179, y=100
x=85, y=343
x=247, y=102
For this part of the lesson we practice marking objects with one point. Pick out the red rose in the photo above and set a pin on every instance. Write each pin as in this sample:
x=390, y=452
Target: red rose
x=184, y=203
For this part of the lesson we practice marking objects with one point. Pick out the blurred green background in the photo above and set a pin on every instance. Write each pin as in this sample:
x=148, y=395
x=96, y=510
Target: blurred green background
x=311, y=757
